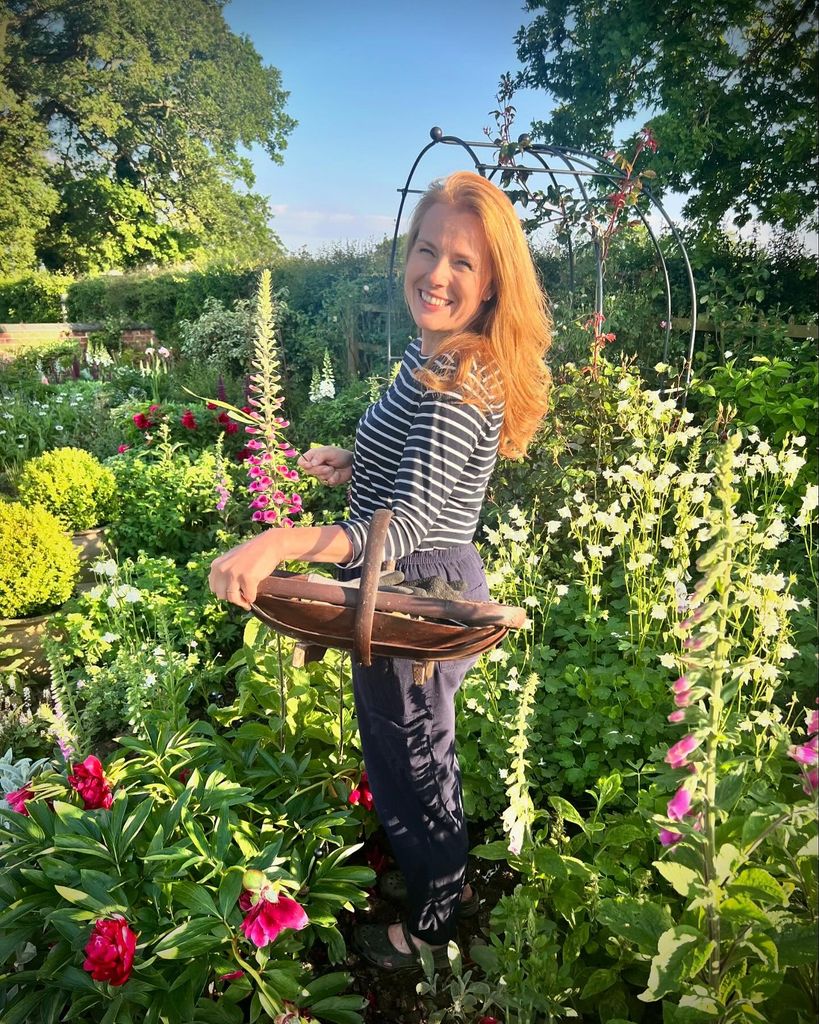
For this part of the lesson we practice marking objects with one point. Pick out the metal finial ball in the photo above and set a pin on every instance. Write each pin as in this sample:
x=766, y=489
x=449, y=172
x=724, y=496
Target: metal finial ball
x=436, y=134
x=524, y=141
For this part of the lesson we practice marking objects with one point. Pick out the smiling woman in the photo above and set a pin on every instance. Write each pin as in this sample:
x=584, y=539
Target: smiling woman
x=473, y=384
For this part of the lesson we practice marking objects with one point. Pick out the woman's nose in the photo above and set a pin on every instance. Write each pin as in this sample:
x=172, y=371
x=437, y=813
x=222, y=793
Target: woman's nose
x=439, y=272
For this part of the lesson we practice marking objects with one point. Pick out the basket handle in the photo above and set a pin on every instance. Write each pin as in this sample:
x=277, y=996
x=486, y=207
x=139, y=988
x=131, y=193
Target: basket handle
x=368, y=588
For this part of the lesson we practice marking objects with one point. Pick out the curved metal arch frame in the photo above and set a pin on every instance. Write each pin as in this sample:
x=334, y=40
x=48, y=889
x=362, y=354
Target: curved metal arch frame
x=577, y=165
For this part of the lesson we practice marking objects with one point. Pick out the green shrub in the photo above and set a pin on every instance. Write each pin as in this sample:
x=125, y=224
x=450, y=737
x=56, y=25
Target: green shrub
x=33, y=298
x=38, y=562
x=777, y=396
x=167, y=503
x=219, y=337
x=72, y=485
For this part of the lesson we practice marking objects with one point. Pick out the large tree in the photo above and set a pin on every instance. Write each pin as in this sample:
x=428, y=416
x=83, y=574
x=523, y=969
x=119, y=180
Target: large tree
x=729, y=88
x=127, y=117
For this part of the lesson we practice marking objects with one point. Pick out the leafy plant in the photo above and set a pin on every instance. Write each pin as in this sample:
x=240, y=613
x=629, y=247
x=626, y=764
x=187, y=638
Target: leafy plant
x=74, y=486
x=38, y=563
x=170, y=860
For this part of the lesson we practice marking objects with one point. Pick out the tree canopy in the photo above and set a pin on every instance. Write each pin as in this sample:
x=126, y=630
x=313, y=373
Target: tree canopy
x=729, y=89
x=121, y=135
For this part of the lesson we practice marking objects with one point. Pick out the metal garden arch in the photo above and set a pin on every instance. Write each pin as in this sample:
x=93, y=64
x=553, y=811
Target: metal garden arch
x=555, y=161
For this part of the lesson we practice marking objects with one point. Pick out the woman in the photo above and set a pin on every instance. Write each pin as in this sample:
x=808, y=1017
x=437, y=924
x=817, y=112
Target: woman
x=473, y=384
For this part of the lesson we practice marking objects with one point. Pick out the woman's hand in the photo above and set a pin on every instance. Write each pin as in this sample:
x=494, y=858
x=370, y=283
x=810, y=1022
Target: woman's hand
x=332, y=466
x=236, y=575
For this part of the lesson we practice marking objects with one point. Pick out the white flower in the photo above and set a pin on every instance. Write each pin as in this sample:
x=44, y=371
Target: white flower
x=561, y=590
x=107, y=568
x=150, y=678
x=95, y=593
x=499, y=655
x=109, y=638
x=668, y=661
x=564, y=512
x=553, y=526
x=58, y=427
x=786, y=651
x=112, y=601
x=658, y=612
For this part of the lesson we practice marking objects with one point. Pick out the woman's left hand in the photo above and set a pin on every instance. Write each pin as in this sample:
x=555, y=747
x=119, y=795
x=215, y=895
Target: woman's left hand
x=236, y=575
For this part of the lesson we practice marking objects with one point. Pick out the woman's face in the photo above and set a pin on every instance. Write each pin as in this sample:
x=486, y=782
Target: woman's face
x=448, y=275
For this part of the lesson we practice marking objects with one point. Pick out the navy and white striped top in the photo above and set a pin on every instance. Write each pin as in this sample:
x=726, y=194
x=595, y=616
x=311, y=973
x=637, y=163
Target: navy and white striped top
x=428, y=456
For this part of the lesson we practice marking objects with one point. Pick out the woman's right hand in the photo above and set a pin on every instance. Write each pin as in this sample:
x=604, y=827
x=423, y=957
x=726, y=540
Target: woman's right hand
x=332, y=466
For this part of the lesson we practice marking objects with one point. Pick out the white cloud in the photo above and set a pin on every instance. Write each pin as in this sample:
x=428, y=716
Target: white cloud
x=315, y=228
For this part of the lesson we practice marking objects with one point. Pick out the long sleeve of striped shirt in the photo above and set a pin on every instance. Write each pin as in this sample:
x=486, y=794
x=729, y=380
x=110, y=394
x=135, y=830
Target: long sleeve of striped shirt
x=426, y=455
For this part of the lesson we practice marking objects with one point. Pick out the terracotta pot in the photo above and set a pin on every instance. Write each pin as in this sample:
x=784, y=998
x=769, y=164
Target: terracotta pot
x=25, y=637
x=91, y=546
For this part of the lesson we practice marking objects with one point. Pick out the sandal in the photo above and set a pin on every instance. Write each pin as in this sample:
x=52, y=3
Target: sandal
x=392, y=886
x=373, y=943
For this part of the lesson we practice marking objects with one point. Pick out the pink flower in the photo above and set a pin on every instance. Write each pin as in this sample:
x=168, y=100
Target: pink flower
x=284, y=521
x=676, y=716
x=90, y=782
x=188, y=420
x=681, y=685
x=678, y=754
x=232, y=976
x=810, y=784
x=805, y=753
x=109, y=952
x=270, y=515
x=668, y=838
x=680, y=804
x=141, y=421
x=123, y=448
x=259, y=501
x=270, y=915
x=682, y=700
x=362, y=794
x=253, y=443
x=812, y=724
x=18, y=797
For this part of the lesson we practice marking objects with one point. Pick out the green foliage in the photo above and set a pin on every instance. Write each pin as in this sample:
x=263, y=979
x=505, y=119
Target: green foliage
x=775, y=396
x=74, y=486
x=33, y=298
x=137, y=615
x=219, y=337
x=145, y=163
x=172, y=857
x=712, y=82
x=167, y=502
x=38, y=563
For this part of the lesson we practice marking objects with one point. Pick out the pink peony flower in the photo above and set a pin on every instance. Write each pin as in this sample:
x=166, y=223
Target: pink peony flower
x=123, y=448
x=188, y=420
x=109, y=952
x=18, y=797
x=362, y=794
x=141, y=421
x=270, y=915
x=90, y=782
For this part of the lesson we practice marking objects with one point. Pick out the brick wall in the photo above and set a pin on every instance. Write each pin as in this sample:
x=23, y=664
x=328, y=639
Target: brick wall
x=140, y=336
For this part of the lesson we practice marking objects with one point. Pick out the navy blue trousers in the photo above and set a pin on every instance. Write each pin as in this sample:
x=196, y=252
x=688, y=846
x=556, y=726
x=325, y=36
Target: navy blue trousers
x=408, y=741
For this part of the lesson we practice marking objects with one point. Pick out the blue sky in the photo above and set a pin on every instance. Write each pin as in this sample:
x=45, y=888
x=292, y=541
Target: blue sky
x=367, y=81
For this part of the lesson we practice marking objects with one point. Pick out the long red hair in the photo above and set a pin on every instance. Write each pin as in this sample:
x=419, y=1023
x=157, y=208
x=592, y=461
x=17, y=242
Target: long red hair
x=505, y=346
